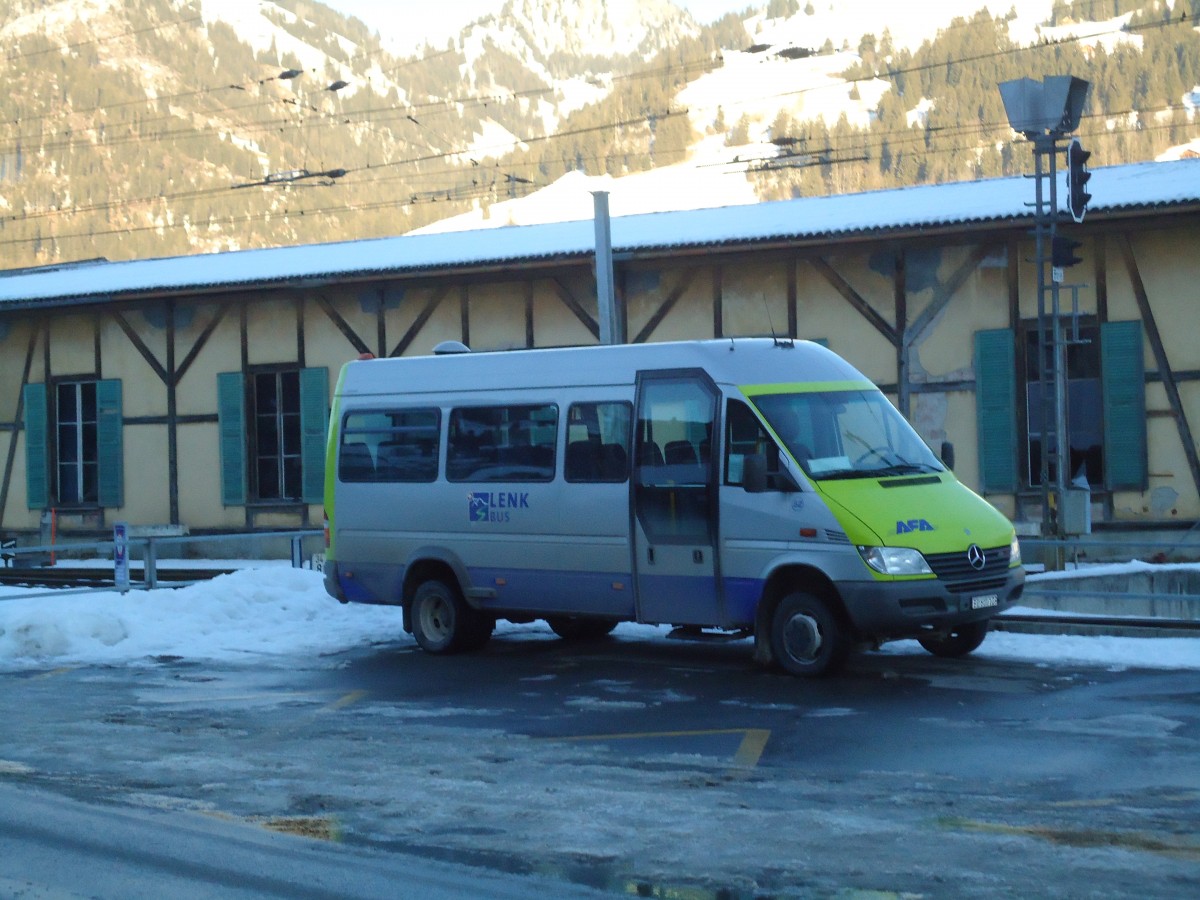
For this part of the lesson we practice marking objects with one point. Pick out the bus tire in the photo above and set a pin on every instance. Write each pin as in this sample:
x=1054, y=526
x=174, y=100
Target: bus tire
x=577, y=628
x=443, y=623
x=959, y=641
x=807, y=636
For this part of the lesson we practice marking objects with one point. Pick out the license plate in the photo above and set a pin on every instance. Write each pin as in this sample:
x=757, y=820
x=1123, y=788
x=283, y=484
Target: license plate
x=983, y=601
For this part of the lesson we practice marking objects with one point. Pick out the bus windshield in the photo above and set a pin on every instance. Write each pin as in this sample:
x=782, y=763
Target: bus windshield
x=846, y=434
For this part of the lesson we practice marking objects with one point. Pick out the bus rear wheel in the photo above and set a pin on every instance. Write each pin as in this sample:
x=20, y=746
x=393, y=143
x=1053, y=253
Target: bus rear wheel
x=807, y=637
x=958, y=641
x=443, y=623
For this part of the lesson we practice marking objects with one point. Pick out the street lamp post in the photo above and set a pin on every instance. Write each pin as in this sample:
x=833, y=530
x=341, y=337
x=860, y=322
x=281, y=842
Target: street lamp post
x=1045, y=112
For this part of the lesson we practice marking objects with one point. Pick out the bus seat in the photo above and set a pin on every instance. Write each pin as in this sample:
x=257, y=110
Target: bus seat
x=581, y=463
x=356, y=463
x=614, y=463
x=680, y=452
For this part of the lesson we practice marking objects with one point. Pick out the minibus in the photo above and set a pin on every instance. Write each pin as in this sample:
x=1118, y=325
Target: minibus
x=749, y=487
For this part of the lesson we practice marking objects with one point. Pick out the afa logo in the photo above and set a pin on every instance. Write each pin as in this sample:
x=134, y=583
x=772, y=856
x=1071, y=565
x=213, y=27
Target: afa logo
x=913, y=525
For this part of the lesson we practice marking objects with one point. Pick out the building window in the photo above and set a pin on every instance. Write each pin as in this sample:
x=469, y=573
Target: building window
x=74, y=450
x=1106, y=419
x=274, y=419
x=271, y=428
x=76, y=442
x=1085, y=407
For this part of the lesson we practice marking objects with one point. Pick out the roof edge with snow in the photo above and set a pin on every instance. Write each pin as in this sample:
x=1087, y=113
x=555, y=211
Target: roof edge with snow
x=1132, y=188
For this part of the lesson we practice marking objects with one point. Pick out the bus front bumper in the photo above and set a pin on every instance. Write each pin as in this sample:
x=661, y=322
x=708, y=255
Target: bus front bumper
x=882, y=611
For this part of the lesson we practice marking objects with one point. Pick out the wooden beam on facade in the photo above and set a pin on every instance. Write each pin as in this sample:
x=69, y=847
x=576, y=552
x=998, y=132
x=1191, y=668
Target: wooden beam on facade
x=718, y=301
x=173, y=426
x=568, y=299
x=792, y=313
x=201, y=340
x=419, y=323
x=464, y=313
x=1012, y=282
x=529, y=336
x=900, y=297
x=1100, y=252
x=944, y=293
x=141, y=347
x=1160, y=358
x=685, y=282
x=11, y=459
x=342, y=325
x=842, y=286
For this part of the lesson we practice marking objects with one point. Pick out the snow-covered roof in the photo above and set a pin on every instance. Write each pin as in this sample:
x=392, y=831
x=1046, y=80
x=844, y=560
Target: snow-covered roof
x=1134, y=187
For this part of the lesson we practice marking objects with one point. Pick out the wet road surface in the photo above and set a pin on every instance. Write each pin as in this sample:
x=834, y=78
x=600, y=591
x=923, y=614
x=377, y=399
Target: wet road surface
x=647, y=767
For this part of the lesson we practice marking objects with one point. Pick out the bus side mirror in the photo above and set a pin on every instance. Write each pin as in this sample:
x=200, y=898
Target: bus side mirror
x=754, y=473
x=758, y=477
x=948, y=454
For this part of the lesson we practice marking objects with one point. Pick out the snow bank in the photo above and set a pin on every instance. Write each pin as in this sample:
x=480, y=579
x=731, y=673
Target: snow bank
x=264, y=615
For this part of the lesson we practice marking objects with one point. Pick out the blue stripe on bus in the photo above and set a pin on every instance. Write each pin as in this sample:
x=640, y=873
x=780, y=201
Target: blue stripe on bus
x=590, y=593
x=741, y=599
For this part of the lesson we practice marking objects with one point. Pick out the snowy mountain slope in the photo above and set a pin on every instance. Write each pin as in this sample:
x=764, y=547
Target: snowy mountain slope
x=708, y=178
x=543, y=29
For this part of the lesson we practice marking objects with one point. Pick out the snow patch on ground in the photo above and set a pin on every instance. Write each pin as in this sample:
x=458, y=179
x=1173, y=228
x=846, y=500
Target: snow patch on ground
x=273, y=613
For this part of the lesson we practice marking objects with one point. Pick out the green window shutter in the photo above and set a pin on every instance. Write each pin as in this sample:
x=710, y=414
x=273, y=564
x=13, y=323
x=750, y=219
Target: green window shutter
x=37, y=475
x=1123, y=375
x=314, y=419
x=231, y=426
x=996, y=409
x=110, y=453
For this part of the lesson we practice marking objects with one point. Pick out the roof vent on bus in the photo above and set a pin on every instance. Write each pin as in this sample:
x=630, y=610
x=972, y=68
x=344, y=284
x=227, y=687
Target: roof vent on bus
x=447, y=347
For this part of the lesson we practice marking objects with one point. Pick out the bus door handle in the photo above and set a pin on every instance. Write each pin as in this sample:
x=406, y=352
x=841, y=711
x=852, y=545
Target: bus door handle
x=698, y=556
x=650, y=555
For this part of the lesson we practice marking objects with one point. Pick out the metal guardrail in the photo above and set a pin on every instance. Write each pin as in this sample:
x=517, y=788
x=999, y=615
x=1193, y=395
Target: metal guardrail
x=150, y=546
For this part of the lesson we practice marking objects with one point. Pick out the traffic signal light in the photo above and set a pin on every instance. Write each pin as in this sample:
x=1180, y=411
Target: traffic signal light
x=1077, y=179
x=1062, y=252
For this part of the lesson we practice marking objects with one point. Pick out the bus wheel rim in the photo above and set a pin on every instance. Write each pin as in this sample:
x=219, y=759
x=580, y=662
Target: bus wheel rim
x=802, y=637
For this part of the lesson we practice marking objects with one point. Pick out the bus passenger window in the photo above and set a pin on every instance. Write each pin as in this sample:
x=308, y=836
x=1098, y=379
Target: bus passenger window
x=597, y=442
x=502, y=443
x=393, y=445
x=744, y=436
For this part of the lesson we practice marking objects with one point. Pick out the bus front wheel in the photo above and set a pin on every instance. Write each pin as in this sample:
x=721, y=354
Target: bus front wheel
x=807, y=637
x=959, y=641
x=443, y=623
x=578, y=628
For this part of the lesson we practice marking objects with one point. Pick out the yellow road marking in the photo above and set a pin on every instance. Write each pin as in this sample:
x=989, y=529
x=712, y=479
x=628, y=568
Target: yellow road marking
x=233, y=698
x=651, y=734
x=749, y=751
x=59, y=671
x=343, y=701
x=1173, y=845
x=752, y=747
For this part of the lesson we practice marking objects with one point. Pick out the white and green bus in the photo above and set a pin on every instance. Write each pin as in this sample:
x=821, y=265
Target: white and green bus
x=751, y=487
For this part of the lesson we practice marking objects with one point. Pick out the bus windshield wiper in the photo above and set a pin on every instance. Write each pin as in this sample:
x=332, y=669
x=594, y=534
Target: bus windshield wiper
x=903, y=468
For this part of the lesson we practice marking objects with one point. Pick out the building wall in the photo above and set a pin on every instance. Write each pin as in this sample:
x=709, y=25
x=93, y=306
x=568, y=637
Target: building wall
x=949, y=291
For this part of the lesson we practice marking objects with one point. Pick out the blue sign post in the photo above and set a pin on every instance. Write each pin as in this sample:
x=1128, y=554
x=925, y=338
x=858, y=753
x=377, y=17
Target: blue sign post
x=121, y=556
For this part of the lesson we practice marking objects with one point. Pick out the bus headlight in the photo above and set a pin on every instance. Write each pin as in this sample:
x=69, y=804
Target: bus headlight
x=1014, y=553
x=895, y=560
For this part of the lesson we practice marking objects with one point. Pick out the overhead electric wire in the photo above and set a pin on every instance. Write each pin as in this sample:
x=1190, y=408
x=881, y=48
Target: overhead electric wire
x=462, y=192
x=59, y=48
x=918, y=135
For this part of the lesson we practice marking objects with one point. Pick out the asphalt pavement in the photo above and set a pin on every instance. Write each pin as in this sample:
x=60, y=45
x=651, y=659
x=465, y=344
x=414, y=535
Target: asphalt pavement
x=625, y=767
